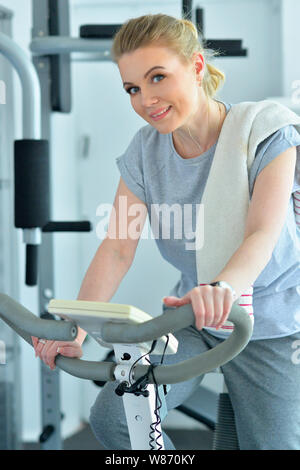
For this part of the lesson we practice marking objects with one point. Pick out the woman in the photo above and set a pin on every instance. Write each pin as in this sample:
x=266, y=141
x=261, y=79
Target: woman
x=172, y=86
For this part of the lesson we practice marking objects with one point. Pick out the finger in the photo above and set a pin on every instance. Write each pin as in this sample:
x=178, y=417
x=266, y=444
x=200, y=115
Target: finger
x=39, y=348
x=171, y=300
x=51, y=354
x=34, y=340
x=70, y=351
x=73, y=349
x=199, y=310
x=227, y=305
x=208, y=301
x=218, y=299
x=45, y=352
x=53, y=351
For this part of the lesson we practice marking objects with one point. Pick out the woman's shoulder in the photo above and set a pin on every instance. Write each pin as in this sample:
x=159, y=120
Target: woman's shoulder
x=286, y=136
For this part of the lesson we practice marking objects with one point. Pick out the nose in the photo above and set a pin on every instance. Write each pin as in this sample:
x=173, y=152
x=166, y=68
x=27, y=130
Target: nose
x=147, y=99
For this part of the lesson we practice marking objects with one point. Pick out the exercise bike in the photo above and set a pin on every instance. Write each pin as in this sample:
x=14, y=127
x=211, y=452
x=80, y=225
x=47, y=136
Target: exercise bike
x=134, y=335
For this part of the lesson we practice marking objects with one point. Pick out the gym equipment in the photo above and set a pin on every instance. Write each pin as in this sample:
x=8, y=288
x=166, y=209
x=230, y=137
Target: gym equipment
x=139, y=383
x=31, y=183
x=10, y=399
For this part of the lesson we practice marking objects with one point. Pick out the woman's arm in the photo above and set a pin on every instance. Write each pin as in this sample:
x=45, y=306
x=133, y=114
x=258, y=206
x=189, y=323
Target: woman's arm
x=103, y=276
x=116, y=253
x=266, y=216
x=107, y=269
x=265, y=220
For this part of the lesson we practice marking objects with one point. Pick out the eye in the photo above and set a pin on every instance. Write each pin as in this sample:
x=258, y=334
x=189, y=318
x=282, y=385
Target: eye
x=159, y=75
x=133, y=87
x=129, y=90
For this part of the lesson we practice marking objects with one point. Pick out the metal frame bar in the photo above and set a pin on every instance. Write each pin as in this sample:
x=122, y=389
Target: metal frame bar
x=64, y=45
x=30, y=86
x=139, y=411
x=50, y=380
x=31, y=101
x=10, y=382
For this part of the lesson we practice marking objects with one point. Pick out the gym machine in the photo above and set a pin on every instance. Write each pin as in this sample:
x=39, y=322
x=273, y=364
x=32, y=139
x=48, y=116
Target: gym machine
x=140, y=384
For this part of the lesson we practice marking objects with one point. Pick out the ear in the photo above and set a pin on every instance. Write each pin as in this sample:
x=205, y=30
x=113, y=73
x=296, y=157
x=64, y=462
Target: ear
x=199, y=65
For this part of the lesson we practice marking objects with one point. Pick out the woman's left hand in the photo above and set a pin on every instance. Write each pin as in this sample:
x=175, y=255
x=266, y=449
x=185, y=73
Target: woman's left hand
x=211, y=304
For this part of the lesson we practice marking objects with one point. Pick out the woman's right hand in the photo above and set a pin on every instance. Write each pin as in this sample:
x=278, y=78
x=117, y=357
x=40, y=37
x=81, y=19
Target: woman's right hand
x=47, y=350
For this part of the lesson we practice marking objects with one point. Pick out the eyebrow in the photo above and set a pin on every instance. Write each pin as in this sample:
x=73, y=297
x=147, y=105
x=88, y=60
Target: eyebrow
x=146, y=74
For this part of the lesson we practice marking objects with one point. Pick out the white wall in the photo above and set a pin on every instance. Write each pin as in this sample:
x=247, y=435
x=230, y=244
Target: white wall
x=290, y=45
x=80, y=185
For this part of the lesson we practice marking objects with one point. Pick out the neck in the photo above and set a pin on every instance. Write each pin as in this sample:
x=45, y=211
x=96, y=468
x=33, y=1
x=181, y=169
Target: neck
x=202, y=131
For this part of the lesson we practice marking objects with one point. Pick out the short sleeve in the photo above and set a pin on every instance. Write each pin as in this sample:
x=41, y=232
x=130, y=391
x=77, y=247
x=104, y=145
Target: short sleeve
x=270, y=148
x=131, y=167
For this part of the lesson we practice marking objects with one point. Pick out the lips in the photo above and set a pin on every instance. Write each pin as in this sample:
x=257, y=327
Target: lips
x=159, y=111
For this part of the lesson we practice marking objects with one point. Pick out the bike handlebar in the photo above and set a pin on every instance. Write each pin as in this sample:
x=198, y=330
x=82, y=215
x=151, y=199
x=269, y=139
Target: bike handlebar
x=26, y=324
x=16, y=315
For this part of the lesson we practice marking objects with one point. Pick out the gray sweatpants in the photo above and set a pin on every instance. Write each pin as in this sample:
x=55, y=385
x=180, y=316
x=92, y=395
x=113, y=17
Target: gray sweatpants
x=263, y=383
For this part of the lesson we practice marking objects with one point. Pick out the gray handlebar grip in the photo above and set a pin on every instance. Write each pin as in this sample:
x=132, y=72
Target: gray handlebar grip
x=18, y=317
x=27, y=324
x=182, y=317
x=91, y=370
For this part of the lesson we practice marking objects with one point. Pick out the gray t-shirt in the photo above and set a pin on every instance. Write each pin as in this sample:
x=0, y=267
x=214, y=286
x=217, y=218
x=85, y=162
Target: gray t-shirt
x=154, y=171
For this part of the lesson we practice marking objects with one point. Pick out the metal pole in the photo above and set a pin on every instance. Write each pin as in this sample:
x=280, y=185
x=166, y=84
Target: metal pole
x=10, y=377
x=52, y=45
x=30, y=86
x=31, y=97
x=50, y=380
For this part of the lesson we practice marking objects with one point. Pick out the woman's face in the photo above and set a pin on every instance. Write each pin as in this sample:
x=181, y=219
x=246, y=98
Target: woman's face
x=171, y=84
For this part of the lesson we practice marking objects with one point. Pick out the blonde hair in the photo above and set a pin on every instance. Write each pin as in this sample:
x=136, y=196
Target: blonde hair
x=179, y=35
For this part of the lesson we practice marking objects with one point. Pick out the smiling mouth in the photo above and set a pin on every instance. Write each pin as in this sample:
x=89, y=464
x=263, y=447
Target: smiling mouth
x=160, y=116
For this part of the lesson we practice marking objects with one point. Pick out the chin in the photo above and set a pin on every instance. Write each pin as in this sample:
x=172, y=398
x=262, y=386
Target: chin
x=161, y=129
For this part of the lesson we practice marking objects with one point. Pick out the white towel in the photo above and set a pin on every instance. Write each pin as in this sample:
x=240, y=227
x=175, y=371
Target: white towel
x=226, y=196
